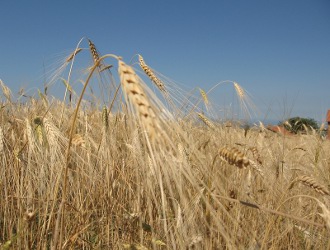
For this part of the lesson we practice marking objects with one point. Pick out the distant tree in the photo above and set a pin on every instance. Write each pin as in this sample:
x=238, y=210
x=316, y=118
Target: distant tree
x=299, y=124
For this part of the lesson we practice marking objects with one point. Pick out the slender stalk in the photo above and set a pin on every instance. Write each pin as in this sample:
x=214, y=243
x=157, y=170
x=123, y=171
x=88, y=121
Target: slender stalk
x=59, y=221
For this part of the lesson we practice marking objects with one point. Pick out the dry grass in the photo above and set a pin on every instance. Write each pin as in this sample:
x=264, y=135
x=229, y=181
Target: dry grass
x=126, y=190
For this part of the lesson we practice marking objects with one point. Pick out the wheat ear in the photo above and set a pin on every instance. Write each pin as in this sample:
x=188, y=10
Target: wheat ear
x=78, y=141
x=105, y=118
x=234, y=157
x=93, y=50
x=256, y=154
x=151, y=74
x=325, y=214
x=135, y=93
x=39, y=129
x=6, y=91
x=310, y=182
x=204, y=96
x=239, y=90
x=73, y=54
x=205, y=120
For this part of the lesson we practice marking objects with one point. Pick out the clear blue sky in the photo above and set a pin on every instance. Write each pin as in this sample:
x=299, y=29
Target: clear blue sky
x=277, y=50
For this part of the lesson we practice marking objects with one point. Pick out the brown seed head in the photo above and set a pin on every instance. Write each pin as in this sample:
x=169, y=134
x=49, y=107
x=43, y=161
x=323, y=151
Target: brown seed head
x=137, y=97
x=234, y=157
x=312, y=183
x=93, y=50
x=151, y=74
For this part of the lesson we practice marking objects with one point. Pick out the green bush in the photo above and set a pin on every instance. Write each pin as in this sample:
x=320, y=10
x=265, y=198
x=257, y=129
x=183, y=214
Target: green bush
x=299, y=124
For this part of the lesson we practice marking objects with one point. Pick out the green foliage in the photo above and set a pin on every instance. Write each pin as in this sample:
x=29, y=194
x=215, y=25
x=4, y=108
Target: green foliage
x=299, y=124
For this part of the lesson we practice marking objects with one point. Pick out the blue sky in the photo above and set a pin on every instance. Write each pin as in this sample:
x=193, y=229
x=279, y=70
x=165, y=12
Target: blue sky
x=279, y=51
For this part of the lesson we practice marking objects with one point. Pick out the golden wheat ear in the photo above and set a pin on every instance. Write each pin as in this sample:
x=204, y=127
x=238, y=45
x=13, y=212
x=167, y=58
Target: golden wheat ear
x=96, y=56
x=325, y=214
x=105, y=117
x=204, y=96
x=6, y=91
x=256, y=154
x=151, y=74
x=73, y=54
x=310, y=182
x=234, y=157
x=93, y=51
x=137, y=97
x=206, y=121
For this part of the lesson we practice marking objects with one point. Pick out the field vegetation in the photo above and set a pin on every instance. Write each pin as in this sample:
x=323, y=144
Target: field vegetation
x=141, y=164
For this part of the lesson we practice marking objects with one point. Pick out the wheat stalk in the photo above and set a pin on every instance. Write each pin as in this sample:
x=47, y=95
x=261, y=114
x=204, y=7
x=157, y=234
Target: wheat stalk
x=1, y=140
x=105, y=68
x=137, y=97
x=310, y=182
x=151, y=74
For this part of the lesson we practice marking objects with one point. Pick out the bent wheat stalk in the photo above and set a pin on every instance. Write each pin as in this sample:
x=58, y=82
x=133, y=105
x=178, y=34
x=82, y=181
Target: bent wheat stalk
x=59, y=222
x=276, y=212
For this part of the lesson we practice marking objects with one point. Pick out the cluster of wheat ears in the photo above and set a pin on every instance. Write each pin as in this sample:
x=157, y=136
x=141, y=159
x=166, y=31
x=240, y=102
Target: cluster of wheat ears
x=135, y=162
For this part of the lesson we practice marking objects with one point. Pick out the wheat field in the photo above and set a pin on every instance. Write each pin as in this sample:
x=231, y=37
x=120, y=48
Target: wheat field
x=145, y=165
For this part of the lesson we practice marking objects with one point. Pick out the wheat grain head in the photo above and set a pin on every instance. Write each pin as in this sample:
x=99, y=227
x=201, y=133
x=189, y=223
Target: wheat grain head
x=151, y=74
x=234, y=157
x=105, y=117
x=312, y=183
x=204, y=96
x=206, y=121
x=136, y=95
x=6, y=91
x=325, y=214
x=73, y=54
